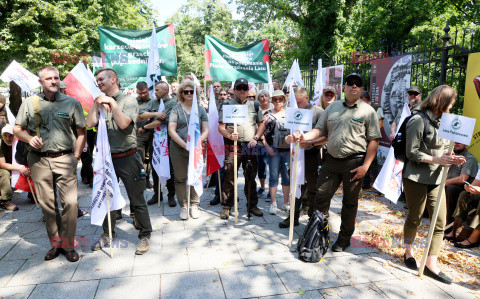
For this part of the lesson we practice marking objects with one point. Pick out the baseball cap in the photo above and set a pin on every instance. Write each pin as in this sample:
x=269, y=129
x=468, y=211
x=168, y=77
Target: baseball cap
x=7, y=129
x=329, y=89
x=354, y=76
x=241, y=81
x=415, y=89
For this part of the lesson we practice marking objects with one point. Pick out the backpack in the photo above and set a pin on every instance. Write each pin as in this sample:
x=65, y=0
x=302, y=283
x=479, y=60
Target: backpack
x=314, y=243
x=399, y=143
x=21, y=150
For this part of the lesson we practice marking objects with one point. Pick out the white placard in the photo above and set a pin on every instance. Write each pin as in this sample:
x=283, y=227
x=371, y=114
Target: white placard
x=235, y=114
x=456, y=128
x=298, y=119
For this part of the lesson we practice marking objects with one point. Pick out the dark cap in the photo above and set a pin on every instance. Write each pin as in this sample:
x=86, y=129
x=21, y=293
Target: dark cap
x=3, y=99
x=354, y=75
x=415, y=89
x=241, y=81
x=329, y=89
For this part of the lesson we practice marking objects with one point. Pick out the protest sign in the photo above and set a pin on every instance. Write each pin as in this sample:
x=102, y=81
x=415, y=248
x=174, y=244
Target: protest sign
x=456, y=128
x=235, y=114
x=298, y=119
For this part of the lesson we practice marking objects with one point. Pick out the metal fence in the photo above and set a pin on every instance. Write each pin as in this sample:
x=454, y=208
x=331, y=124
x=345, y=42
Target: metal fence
x=436, y=60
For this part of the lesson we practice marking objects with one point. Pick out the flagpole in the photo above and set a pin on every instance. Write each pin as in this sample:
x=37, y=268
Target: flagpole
x=159, y=189
x=235, y=174
x=293, y=192
x=188, y=201
x=33, y=193
x=219, y=185
x=109, y=223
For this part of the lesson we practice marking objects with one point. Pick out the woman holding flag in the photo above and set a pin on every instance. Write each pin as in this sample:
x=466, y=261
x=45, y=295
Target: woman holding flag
x=178, y=131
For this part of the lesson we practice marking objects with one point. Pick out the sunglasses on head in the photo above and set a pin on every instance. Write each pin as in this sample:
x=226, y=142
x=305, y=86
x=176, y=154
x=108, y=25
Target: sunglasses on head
x=354, y=82
x=190, y=91
x=242, y=87
x=413, y=93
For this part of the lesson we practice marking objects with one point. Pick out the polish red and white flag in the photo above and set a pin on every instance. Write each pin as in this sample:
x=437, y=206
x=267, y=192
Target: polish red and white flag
x=81, y=85
x=215, y=144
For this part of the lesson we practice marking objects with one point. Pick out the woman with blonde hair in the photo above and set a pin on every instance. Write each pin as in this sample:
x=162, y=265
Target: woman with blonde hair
x=422, y=175
x=178, y=130
x=329, y=96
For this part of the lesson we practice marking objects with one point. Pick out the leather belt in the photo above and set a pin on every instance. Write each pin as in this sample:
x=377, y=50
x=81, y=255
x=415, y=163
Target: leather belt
x=53, y=155
x=124, y=154
x=354, y=156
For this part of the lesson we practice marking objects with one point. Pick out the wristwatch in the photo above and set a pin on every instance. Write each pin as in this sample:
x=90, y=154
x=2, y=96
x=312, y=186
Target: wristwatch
x=257, y=139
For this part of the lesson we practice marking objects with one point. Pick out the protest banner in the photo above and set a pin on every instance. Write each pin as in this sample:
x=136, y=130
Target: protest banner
x=333, y=76
x=456, y=129
x=127, y=52
x=298, y=119
x=224, y=62
x=471, y=104
x=154, y=69
x=21, y=76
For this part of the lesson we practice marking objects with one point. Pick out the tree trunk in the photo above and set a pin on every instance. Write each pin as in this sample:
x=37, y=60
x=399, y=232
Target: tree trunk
x=15, y=97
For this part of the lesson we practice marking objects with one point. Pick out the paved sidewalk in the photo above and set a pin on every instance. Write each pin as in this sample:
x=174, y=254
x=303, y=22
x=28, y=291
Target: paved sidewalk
x=204, y=258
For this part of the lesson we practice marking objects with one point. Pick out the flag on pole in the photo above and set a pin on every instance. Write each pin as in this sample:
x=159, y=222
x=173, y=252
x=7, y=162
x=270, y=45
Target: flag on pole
x=154, y=73
x=104, y=177
x=270, y=82
x=301, y=153
x=389, y=180
x=318, y=85
x=21, y=76
x=194, y=146
x=294, y=76
x=160, y=156
x=81, y=86
x=215, y=144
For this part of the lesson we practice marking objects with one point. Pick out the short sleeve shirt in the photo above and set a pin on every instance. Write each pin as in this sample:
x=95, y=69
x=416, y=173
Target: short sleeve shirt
x=6, y=152
x=470, y=167
x=141, y=105
x=246, y=131
x=154, y=104
x=348, y=128
x=182, y=118
x=59, y=117
x=317, y=112
x=122, y=140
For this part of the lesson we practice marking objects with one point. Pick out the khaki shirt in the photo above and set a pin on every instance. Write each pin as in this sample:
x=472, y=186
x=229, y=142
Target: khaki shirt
x=141, y=105
x=122, y=140
x=59, y=116
x=317, y=112
x=246, y=131
x=182, y=118
x=419, y=147
x=348, y=128
x=153, y=105
x=470, y=167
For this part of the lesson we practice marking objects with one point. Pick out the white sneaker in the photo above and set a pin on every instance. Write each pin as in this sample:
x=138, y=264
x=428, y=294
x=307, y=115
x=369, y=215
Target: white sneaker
x=273, y=208
x=286, y=207
x=183, y=213
x=195, y=212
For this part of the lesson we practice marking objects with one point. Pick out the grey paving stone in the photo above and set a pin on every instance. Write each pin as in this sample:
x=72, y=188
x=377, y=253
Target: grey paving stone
x=185, y=238
x=6, y=246
x=130, y=287
x=19, y=292
x=28, y=249
x=306, y=276
x=7, y=270
x=164, y=224
x=198, y=284
x=411, y=288
x=260, y=253
x=300, y=294
x=224, y=235
x=214, y=257
x=85, y=228
x=251, y=282
x=70, y=290
x=26, y=213
x=25, y=229
x=367, y=290
x=161, y=260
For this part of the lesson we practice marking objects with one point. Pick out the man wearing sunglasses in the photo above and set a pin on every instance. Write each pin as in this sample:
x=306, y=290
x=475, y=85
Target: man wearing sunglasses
x=353, y=132
x=414, y=100
x=248, y=135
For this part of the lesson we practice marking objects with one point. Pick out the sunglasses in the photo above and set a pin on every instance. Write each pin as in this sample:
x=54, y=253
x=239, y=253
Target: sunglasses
x=243, y=87
x=277, y=100
x=354, y=82
x=251, y=97
x=413, y=93
x=190, y=91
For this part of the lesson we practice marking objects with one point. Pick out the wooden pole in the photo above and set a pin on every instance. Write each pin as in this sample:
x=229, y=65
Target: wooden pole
x=219, y=185
x=159, y=190
x=293, y=192
x=435, y=214
x=109, y=224
x=235, y=174
x=188, y=201
x=33, y=193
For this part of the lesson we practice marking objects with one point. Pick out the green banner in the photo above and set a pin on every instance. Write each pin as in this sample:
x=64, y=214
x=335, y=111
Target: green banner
x=126, y=51
x=224, y=62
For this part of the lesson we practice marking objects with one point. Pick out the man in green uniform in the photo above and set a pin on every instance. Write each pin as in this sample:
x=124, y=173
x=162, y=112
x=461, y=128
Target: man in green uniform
x=144, y=137
x=150, y=112
x=351, y=126
x=53, y=157
x=248, y=135
x=121, y=111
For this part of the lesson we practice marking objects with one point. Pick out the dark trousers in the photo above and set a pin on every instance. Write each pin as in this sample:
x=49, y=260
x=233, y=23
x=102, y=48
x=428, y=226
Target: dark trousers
x=87, y=156
x=222, y=179
x=371, y=174
x=333, y=172
x=170, y=182
x=144, y=144
x=452, y=193
x=244, y=155
x=128, y=170
x=309, y=189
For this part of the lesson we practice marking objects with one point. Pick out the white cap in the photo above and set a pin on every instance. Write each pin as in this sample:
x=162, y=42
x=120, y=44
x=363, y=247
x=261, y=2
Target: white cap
x=7, y=129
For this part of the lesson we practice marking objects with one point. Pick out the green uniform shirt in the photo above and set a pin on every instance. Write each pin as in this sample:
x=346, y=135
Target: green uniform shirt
x=141, y=105
x=126, y=139
x=182, y=118
x=59, y=116
x=153, y=105
x=419, y=147
x=317, y=112
x=348, y=128
x=470, y=167
x=246, y=131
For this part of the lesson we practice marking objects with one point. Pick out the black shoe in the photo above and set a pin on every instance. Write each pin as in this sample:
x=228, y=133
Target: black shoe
x=340, y=245
x=90, y=183
x=215, y=201
x=471, y=245
x=85, y=181
x=153, y=200
x=256, y=211
x=411, y=263
x=440, y=276
x=118, y=215
x=286, y=223
x=260, y=192
x=171, y=201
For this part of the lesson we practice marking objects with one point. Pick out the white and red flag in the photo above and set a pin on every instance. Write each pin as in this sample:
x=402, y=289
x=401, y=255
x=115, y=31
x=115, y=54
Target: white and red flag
x=104, y=177
x=194, y=146
x=160, y=156
x=81, y=86
x=215, y=144
x=301, y=153
x=21, y=76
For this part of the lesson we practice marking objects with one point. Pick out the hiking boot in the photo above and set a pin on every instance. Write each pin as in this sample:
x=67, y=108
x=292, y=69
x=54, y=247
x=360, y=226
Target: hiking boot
x=256, y=211
x=8, y=205
x=154, y=199
x=286, y=223
x=171, y=201
x=143, y=246
x=104, y=241
x=225, y=213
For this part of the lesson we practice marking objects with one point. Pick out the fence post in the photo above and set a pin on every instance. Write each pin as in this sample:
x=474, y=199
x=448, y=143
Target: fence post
x=444, y=61
x=311, y=79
